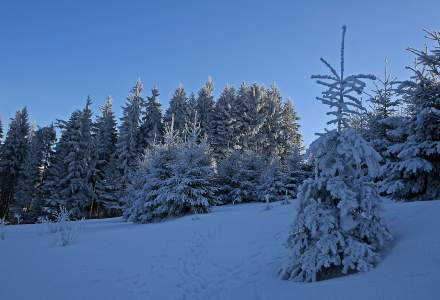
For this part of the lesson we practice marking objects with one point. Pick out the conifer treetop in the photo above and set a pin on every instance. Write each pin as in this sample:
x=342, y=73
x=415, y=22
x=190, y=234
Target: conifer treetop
x=342, y=91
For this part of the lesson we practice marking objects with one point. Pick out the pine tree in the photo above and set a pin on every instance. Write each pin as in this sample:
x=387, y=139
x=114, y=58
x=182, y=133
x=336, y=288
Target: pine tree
x=290, y=138
x=222, y=137
x=205, y=107
x=339, y=226
x=414, y=175
x=29, y=193
x=128, y=147
x=12, y=156
x=106, y=166
x=179, y=109
x=152, y=128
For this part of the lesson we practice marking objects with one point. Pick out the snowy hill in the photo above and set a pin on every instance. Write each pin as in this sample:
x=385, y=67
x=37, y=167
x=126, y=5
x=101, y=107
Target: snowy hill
x=232, y=253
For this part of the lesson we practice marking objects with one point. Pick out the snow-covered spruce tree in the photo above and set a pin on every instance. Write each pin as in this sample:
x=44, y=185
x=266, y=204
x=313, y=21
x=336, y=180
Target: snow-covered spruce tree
x=360, y=121
x=205, y=107
x=128, y=147
x=143, y=201
x=221, y=137
x=152, y=128
x=385, y=105
x=294, y=172
x=179, y=110
x=271, y=186
x=71, y=176
x=269, y=133
x=29, y=194
x=237, y=177
x=192, y=106
x=248, y=116
x=289, y=138
x=415, y=174
x=106, y=166
x=89, y=153
x=12, y=156
x=338, y=227
x=190, y=190
x=74, y=188
x=57, y=168
x=134, y=200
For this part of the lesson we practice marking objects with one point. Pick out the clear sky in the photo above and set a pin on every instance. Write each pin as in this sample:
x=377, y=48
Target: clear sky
x=55, y=53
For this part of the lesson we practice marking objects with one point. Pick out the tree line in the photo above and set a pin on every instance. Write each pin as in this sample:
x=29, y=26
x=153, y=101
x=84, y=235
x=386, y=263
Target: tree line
x=248, y=133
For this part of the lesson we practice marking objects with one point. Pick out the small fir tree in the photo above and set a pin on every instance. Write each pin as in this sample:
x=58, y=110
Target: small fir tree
x=338, y=227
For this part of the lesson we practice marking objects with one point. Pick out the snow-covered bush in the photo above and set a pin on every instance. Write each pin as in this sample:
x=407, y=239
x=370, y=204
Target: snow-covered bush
x=191, y=189
x=339, y=227
x=3, y=224
x=18, y=218
x=238, y=176
x=175, y=178
x=47, y=226
x=66, y=231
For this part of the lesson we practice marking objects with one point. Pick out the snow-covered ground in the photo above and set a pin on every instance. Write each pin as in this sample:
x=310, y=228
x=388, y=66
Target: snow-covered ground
x=232, y=253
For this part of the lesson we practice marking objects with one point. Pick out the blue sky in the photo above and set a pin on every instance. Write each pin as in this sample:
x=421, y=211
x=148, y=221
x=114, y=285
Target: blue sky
x=55, y=53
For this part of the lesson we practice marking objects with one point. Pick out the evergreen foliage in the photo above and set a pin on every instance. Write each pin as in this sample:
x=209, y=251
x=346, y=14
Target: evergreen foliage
x=179, y=110
x=128, y=147
x=12, y=156
x=152, y=128
x=415, y=173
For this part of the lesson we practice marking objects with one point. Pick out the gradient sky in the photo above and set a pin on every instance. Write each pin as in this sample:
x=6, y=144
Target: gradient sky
x=55, y=53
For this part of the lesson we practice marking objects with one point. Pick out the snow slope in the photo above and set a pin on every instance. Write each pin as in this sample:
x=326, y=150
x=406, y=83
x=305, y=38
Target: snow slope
x=232, y=253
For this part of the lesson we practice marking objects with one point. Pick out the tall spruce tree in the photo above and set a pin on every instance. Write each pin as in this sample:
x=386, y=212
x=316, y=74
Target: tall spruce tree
x=222, y=134
x=289, y=138
x=248, y=116
x=12, y=156
x=128, y=147
x=152, y=128
x=29, y=194
x=76, y=190
x=57, y=168
x=339, y=225
x=179, y=110
x=269, y=133
x=106, y=166
x=205, y=107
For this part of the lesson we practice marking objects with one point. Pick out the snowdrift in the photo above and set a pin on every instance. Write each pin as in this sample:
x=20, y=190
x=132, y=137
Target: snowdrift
x=232, y=253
